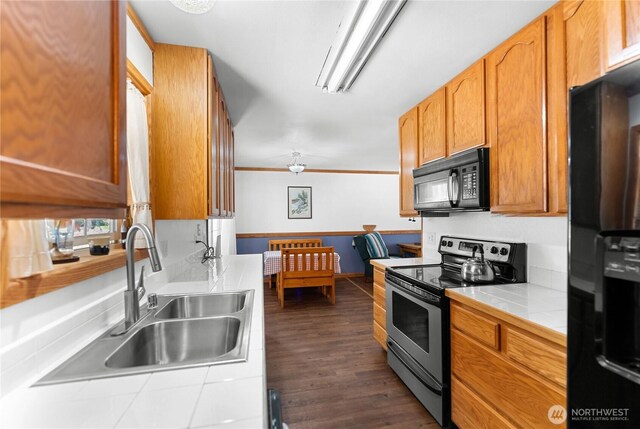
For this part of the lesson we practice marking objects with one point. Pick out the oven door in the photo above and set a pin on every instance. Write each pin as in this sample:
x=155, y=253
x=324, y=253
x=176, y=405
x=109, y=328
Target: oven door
x=414, y=322
x=439, y=190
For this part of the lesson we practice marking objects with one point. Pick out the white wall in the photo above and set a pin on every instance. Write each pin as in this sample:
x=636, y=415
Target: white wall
x=340, y=202
x=138, y=52
x=546, y=239
x=38, y=334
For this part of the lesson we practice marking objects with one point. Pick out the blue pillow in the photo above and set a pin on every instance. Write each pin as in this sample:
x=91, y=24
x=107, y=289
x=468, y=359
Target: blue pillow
x=375, y=245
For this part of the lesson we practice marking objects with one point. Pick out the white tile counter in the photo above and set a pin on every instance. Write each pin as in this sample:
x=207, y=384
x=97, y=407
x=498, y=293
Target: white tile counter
x=402, y=262
x=220, y=396
x=534, y=303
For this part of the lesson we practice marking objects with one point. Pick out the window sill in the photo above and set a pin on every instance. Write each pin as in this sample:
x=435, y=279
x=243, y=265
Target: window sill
x=62, y=275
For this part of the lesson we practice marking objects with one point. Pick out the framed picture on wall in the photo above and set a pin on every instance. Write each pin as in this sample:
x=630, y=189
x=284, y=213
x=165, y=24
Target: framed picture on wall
x=299, y=202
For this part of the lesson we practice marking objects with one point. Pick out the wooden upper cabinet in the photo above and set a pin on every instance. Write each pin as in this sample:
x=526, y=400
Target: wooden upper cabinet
x=191, y=131
x=432, y=132
x=622, y=28
x=408, y=130
x=466, y=127
x=516, y=80
x=180, y=132
x=583, y=25
x=62, y=97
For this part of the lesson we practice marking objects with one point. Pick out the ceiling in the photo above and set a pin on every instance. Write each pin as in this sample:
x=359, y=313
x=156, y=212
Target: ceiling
x=268, y=55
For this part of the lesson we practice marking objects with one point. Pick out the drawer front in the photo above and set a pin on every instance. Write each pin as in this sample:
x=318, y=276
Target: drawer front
x=379, y=296
x=509, y=389
x=379, y=315
x=469, y=411
x=380, y=335
x=378, y=277
x=536, y=355
x=479, y=327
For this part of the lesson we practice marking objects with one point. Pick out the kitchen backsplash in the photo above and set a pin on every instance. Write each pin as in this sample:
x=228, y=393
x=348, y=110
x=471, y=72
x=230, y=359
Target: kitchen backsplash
x=546, y=239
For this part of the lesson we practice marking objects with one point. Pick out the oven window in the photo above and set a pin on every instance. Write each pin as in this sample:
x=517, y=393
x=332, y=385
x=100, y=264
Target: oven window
x=412, y=320
x=432, y=192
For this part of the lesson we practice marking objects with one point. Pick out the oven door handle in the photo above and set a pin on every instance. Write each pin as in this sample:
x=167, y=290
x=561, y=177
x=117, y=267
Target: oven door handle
x=429, y=298
x=424, y=377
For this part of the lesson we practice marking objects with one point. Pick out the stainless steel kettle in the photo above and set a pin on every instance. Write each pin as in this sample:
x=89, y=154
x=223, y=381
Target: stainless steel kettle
x=476, y=269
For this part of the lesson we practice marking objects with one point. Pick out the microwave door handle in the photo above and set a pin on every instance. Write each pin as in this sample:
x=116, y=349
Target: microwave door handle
x=453, y=188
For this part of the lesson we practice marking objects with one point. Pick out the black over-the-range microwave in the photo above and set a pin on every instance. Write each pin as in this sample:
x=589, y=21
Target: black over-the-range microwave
x=457, y=183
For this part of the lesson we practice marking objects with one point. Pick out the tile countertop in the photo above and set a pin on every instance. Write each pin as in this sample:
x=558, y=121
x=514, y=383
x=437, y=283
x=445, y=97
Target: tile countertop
x=402, y=262
x=224, y=396
x=533, y=303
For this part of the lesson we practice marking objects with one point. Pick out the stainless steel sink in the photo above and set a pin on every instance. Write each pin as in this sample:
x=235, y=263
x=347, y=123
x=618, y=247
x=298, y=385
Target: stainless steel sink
x=206, y=305
x=182, y=331
x=164, y=343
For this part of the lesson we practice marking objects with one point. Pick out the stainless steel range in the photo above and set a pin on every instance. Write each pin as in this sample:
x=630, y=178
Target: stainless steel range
x=418, y=315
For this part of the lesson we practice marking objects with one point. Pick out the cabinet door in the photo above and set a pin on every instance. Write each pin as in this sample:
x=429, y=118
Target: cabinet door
x=583, y=21
x=408, y=127
x=516, y=79
x=181, y=129
x=556, y=110
x=466, y=127
x=222, y=155
x=227, y=169
x=232, y=171
x=623, y=31
x=63, y=108
x=432, y=127
x=214, y=138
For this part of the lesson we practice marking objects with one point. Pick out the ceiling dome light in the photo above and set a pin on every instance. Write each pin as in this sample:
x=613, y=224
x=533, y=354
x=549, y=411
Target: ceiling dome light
x=195, y=7
x=296, y=166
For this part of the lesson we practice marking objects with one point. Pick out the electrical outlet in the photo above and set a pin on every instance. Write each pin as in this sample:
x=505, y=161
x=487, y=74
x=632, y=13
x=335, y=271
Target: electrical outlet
x=198, y=235
x=431, y=238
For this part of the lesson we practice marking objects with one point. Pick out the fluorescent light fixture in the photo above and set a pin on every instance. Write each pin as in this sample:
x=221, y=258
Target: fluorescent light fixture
x=195, y=7
x=358, y=35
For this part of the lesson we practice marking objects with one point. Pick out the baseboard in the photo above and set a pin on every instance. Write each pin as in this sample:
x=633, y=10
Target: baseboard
x=350, y=275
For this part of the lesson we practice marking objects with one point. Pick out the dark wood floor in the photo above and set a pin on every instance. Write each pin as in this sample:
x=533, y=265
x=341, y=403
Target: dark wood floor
x=328, y=368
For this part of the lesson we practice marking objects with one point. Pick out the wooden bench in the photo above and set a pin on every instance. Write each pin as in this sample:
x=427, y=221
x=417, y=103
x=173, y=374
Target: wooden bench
x=307, y=267
x=295, y=243
x=292, y=244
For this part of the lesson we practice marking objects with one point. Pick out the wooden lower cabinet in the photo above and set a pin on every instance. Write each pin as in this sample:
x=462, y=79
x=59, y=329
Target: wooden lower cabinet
x=470, y=411
x=512, y=385
x=379, y=307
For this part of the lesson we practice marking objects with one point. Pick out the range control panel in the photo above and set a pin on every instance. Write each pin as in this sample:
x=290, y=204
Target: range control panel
x=622, y=258
x=493, y=250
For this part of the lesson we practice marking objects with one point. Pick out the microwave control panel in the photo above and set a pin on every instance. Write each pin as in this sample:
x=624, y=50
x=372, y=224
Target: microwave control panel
x=470, y=182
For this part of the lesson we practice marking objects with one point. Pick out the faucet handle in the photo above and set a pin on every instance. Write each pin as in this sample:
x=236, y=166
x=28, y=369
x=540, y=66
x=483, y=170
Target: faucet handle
x=152, y=301
x=141, y=290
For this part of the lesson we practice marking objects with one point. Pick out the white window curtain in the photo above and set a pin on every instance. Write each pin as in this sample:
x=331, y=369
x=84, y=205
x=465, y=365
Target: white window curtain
x=138, y=160
x=28, y=248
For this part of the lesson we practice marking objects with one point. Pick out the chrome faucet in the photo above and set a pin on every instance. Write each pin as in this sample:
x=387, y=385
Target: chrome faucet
x=134, y=293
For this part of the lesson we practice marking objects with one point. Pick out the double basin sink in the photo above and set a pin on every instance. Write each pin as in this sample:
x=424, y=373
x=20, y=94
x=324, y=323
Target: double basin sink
x=181, y=331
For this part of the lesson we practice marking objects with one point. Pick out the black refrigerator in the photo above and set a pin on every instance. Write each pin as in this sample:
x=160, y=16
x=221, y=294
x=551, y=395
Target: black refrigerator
x=603, y=337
